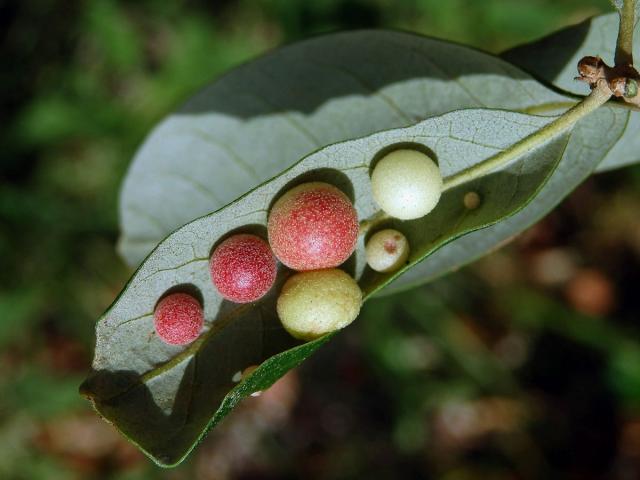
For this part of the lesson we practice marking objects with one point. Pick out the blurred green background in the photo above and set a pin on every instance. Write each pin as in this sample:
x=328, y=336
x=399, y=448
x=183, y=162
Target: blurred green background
x=523, y=365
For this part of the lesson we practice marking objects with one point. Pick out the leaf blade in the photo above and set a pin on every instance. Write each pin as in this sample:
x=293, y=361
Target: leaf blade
x=186, y=394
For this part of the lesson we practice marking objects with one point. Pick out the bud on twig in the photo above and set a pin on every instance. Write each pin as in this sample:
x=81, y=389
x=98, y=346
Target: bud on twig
x=591, y=69
x=622, y=80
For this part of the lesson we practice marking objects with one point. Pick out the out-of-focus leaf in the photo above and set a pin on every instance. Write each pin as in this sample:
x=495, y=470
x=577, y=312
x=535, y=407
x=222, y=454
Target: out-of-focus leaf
x=40, y=394
x=532, y=311
x=18, y=310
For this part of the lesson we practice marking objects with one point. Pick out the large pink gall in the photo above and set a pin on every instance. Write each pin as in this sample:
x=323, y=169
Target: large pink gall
x=313, y=226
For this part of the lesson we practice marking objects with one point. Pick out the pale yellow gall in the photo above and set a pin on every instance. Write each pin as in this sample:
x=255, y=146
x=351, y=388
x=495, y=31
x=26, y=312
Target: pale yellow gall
x=317, y=302
x=407, y=184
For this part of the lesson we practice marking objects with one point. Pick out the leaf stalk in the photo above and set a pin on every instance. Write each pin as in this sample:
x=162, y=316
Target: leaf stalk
x=598, y=97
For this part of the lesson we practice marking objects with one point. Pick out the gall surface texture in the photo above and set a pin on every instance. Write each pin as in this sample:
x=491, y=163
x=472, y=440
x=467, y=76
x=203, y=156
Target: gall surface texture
x=178, y=319
x=313, y=226
x=317, y=302
x=243, y=269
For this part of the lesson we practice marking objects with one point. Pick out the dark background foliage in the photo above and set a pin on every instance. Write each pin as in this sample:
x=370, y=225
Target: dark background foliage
x=523, y=365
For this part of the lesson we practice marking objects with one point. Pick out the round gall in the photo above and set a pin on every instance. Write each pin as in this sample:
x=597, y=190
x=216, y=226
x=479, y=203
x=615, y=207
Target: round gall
x=387, y=251
x=406, y=184
x=178, y=319
x=243, y=269
x=313, y=226
x=317, y=302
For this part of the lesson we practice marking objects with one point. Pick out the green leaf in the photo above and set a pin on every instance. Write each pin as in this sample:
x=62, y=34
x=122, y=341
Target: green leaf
x=40, y=393
x=261, y=118
x=164, y=398
x=18, y=311
x=554, y=59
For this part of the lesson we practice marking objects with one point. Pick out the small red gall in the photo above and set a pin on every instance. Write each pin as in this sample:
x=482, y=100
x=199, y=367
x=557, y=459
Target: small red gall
x=313, y=226
x=243, y=268
x=178, y=319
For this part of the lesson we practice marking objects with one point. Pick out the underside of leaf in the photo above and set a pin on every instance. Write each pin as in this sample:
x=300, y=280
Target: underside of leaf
x=164, y=397
x=254, y=125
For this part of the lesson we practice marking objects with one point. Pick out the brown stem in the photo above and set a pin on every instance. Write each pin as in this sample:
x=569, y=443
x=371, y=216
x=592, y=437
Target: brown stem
x=622, y=80
x=624, y=44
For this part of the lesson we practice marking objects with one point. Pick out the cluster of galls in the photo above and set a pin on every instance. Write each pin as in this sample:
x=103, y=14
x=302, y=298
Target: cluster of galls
x=622, y=80
x=312, y=229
